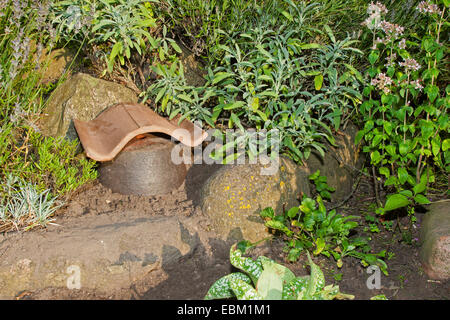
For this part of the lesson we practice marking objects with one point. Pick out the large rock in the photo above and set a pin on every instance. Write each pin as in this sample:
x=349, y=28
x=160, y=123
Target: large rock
x=435, y=239
x=234, y=196
x=81, y=97
x=340, y=163
x=109, y=255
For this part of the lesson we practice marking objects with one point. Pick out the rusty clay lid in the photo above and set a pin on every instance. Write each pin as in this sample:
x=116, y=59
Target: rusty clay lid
x=105, y=136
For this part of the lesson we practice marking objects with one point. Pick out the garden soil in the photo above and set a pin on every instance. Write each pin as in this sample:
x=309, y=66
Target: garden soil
x=193, y=275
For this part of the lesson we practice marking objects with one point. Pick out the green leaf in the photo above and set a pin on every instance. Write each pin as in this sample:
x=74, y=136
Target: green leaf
x=316, y=280
x=221, y=289
x=421, y=199
x=293, y=288
x=403, y=148
x=277, y=225
x=445, y=145
x=385, y=171
x=421, y=186
x=318, y=80
x=315, y=175
x=375, y=157
x=242, y=290
x=293, y=212
x=221, y=76
x=310, y=46
x=396, y=201
x=359, y=136
x=270, y=283
x=320, y=245
x=175, y=47
x=436, y=145
x=402, y=175
x=267, y=213
x=432, y=92
x=235, y=105
x=248, y=265
x=373, y=56
x=117, y=48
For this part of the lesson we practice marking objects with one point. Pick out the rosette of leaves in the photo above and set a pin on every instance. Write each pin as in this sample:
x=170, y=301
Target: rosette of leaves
x=310, y=227
x=264, y=279
x=321, y=184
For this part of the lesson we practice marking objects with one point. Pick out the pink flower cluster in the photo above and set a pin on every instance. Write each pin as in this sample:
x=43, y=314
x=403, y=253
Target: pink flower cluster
x=375, y=10
x=410, y=64
x=417, y=85
x=382, y=82
x=427, y=7
x=392, y=30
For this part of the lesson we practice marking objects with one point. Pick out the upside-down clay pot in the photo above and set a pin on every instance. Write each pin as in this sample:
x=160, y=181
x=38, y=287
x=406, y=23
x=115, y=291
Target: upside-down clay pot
x=143, y=167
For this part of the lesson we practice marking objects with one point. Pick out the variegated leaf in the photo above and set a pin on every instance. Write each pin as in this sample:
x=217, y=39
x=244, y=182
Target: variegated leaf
x=251, y=267
x=221, y=288
x=243, y=291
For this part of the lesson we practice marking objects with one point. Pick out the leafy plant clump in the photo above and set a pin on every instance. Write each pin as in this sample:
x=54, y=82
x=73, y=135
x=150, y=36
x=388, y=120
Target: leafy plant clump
x=405, y=112
x=310, y=227
x=264, y=279
x=269, y=74
x=322, y=187
x=34, y=170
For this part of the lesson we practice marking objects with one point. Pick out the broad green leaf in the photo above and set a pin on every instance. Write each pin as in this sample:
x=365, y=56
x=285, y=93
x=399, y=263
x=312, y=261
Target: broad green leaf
x=292, y=212
x=421, y=199
x=396, y=201
x=359, y=136
x=385, y=171
x=373, y=56
x=432, y=92
x=445, y=145
x=402, y=175
x=284, y=273
x=436, y=145
x=277, y=225
x=270, y=284
x=315, y=175
x=421, y=186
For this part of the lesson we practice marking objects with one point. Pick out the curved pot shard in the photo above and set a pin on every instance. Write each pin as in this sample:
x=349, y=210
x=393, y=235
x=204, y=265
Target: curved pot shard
x=105, y=136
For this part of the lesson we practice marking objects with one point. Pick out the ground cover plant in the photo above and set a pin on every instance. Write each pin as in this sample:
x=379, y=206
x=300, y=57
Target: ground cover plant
x=267, y=73
x=36, y=171
x=405, y=107
x=309, y=227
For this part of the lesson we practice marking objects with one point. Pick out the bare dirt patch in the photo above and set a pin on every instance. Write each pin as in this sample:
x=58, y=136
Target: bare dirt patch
x=193, y=275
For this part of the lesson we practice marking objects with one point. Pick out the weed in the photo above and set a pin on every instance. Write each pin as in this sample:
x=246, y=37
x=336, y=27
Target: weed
x=310, y=227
